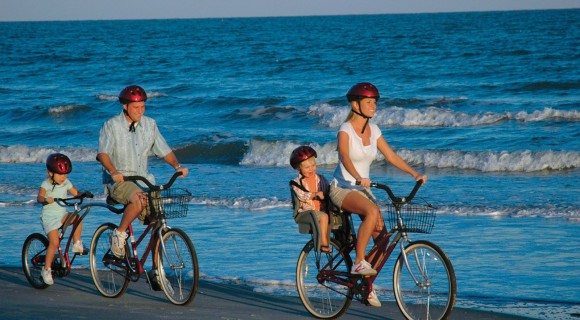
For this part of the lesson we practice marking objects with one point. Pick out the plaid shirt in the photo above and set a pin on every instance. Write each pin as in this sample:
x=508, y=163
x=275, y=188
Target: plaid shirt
x=129, y=151
x=304, y=197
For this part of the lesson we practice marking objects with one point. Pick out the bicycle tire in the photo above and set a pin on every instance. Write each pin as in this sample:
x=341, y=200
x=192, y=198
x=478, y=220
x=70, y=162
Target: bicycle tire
x=33, y=255
x=110, y=276
x=434, y=296
x=322, y=300
x=178, y=267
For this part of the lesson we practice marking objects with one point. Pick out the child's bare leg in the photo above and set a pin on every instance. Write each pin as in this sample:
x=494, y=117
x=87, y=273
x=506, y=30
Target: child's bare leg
x=53, y=241
x=78, y=232
x=324, y=230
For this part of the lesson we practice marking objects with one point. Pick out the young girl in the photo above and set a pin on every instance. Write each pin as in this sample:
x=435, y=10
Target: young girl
x=57, y=185
x=311, y=190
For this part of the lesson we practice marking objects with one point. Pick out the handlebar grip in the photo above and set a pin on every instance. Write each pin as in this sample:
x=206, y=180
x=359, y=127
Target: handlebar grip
x=418, y=185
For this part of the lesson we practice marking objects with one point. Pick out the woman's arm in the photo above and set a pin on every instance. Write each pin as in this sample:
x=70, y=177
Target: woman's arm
x=397, y=161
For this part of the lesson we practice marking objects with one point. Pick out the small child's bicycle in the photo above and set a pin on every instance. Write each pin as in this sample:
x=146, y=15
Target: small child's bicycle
x=36, y=244
x=171, y=249
x=423, y=278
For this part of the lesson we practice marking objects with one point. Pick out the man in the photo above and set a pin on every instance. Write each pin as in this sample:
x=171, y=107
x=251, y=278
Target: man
x=125, y=142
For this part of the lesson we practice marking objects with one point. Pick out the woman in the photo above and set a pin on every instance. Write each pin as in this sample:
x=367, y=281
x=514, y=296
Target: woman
x=358, y=143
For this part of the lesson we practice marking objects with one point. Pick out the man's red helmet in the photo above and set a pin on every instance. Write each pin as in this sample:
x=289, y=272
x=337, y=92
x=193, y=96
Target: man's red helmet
x=300, y=154
x=132, y=94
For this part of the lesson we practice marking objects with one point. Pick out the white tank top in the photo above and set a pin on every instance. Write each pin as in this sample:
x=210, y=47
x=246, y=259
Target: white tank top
x=360, y=155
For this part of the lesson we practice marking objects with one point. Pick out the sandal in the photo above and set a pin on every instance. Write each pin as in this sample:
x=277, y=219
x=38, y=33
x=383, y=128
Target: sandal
x=325, y=249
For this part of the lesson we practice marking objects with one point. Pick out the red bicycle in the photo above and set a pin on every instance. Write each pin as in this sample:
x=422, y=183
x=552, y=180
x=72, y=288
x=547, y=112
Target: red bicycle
x=171, y=249
x=423, y=278
x=36, y=244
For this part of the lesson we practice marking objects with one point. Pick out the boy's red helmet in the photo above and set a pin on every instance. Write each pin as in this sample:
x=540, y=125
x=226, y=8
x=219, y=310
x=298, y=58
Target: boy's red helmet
x=300, y=154
x=132, y=93
x=363, y=90
x=58, y=163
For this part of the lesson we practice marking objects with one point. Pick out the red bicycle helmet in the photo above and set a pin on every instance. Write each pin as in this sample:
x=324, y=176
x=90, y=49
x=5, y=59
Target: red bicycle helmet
x=58, y=163
x=132, y=94
x=300, y=154
x=363, y=90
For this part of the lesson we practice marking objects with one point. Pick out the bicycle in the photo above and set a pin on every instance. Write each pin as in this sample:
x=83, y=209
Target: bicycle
x=36, y=244
x=424, y=281
x=172, y=251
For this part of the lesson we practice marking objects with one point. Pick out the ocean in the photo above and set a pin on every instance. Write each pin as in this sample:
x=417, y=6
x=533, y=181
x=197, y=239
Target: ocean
x=487, y=104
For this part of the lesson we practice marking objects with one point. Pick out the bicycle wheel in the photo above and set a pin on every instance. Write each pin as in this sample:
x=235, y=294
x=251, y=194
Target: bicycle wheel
x=33, y=255
x=323, y=299
x=433, y=295
x=178, y=268
x=109, y=273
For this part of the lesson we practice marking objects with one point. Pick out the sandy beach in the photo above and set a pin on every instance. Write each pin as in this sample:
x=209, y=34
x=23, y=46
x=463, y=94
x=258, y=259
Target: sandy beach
x=75, y=297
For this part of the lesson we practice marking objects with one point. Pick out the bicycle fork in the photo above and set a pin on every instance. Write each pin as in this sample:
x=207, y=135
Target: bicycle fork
x=420, y=265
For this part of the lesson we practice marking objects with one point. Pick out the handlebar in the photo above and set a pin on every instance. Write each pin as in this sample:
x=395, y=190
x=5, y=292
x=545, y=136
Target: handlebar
x=396, y=199
x=67, y=201
x=150, y=185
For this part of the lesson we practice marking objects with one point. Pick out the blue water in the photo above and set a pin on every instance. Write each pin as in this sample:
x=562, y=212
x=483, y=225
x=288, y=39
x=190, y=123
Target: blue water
x=487, y=104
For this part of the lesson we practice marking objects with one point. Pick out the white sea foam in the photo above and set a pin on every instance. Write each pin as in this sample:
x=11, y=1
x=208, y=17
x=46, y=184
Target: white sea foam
x=115, y=97
x=333, y=117
x=64, y=109
x=268, y=153
x=26, y=154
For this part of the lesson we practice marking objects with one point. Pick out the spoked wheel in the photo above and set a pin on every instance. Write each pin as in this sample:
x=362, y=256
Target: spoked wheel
x=433, y=295
x=325, y=300
x=110, y=274
x=178, y=268
x=33, y=256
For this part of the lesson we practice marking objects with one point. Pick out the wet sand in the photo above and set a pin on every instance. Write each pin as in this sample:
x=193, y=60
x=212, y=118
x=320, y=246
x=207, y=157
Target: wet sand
x=75, y=297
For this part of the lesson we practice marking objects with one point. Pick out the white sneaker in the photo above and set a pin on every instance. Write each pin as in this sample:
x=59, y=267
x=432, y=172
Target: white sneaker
x=47, y=276
x=363, y=268
x=78, y=247
x=373, y=299
x=118, y=242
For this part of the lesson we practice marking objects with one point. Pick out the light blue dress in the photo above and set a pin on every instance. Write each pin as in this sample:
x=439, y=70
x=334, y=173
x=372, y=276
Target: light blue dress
x=52, y=213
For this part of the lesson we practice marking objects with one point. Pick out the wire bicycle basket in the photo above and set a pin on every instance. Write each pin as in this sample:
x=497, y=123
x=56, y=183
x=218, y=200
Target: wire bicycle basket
x=418, y=218
x=172, y=202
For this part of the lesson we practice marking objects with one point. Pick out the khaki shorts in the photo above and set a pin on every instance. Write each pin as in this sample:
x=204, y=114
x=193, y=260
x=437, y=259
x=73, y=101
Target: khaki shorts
x=337, y=194
x=121, y=192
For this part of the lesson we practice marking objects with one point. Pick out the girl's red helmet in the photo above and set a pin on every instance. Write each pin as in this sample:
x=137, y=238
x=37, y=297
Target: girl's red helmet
x=58, y=163
x=363, y=90
x=300, y=154
x=132, y=94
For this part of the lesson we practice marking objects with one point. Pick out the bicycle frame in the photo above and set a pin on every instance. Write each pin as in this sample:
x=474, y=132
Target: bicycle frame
x=380, y=252
x=135, y=263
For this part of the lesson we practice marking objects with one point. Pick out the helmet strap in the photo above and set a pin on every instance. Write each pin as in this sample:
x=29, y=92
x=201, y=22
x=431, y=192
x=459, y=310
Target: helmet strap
x=362, y=115
x=133, y=123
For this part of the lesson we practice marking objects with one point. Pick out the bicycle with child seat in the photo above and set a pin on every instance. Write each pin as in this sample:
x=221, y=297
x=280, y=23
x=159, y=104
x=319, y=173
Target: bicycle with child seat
x=36, y=244
x=424, y=282
x=171, y=249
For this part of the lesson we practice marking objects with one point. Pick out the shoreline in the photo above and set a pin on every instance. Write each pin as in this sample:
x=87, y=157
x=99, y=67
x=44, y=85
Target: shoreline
x=76, y=297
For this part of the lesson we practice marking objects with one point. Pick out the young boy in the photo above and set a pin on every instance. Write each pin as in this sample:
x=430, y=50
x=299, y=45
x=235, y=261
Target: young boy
x=310, y=189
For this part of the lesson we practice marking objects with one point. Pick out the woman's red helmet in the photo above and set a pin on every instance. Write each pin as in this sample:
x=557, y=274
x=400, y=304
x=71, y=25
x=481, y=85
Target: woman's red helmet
x=300, y=154
x=58, y=163
x=132, y=94
x=363, y=90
